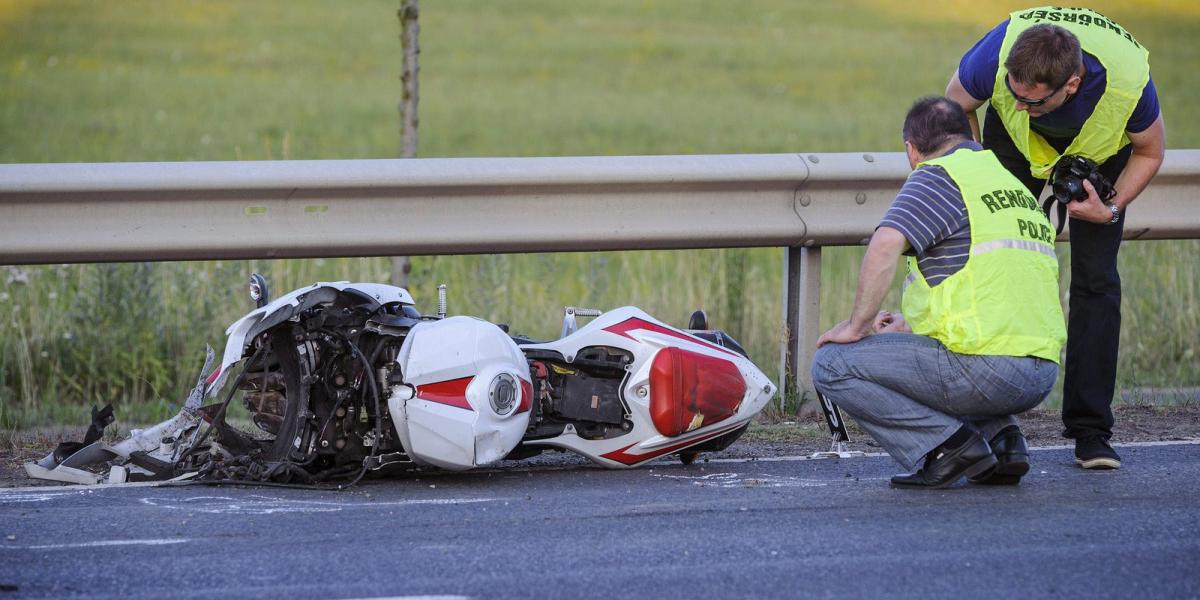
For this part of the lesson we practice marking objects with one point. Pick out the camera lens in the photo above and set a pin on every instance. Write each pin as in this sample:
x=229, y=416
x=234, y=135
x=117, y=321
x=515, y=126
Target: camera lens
x=1075, y=189
x=1068, y=189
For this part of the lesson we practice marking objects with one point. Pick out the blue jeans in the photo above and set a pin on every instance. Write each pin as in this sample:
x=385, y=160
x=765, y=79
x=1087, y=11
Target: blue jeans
x=911, y=393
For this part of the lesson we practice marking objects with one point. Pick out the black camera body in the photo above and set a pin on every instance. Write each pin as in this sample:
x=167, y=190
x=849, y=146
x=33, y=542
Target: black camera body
x=1068, y=176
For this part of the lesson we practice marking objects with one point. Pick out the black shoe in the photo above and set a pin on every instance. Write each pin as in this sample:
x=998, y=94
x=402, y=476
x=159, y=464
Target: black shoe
x=1093, y=452
x=944, y=466
x=1012, y=458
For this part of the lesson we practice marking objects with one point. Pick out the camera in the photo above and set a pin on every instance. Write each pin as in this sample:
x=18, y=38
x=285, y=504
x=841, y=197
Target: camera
x=1069, y=174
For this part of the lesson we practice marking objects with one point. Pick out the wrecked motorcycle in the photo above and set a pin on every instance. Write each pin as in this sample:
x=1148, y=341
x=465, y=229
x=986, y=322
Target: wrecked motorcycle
x=340, y=379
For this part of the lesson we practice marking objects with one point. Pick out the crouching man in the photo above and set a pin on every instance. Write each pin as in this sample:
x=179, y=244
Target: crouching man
x=984, y=324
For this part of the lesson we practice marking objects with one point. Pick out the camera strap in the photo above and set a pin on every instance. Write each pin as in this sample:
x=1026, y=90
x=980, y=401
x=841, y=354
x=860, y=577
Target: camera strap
x=1062, y=214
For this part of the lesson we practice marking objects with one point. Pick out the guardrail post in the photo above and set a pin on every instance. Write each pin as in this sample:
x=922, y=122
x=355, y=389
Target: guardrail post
x=802, y=322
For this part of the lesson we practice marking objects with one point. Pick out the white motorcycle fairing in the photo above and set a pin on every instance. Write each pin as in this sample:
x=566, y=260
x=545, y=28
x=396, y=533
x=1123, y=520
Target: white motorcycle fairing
x=466, y=395
x=679, y=390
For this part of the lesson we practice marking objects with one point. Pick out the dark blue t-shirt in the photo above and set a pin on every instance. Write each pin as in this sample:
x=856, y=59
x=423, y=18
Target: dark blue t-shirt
x=977, y=73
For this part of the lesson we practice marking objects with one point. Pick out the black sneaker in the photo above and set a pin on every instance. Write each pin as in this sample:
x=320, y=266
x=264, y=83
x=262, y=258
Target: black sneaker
x=1093, y=452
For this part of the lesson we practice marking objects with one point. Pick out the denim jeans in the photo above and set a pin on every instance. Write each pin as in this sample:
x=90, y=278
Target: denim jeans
x=911, y=393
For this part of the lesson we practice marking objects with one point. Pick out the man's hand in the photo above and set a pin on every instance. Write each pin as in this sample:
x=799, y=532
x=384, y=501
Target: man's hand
x=882, y=320
x=1090, y=209
x=842, y=333
x=889, y=322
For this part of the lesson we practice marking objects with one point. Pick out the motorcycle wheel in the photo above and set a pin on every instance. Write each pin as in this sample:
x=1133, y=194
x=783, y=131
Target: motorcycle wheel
x=688, y=458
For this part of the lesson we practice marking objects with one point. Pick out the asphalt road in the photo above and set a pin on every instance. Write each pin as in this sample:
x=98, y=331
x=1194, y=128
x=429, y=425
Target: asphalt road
x=766, y=528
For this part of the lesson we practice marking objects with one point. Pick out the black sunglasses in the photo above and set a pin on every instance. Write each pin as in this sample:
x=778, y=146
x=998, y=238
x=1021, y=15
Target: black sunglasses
x=1031, y=101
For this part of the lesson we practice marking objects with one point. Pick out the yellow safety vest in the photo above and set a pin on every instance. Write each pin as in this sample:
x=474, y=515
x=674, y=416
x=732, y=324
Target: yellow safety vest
x=1004, y=301
x=1127, y=67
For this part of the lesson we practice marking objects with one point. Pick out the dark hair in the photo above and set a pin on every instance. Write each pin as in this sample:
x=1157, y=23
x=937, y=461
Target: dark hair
x=935, y=121
x=1046, y=54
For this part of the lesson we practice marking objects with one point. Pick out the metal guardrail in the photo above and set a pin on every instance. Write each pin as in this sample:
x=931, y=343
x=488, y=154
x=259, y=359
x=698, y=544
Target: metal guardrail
x=106, y=212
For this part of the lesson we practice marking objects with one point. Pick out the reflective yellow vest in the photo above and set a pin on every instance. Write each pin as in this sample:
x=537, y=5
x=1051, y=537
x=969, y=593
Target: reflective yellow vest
x=1127, y=67
x=1004, y=301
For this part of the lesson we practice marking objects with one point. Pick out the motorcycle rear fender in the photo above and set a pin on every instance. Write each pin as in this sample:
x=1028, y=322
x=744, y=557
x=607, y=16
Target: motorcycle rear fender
x=631, y=329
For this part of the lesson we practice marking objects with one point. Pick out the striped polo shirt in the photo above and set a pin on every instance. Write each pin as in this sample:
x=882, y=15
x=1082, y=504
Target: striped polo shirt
x=930, y=212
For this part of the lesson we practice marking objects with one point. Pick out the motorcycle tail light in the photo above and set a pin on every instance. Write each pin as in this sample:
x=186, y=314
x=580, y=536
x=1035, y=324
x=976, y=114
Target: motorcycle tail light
x=689, y=390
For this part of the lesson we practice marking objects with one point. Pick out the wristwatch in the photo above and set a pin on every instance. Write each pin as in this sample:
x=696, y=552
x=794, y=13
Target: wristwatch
x=1116, y=214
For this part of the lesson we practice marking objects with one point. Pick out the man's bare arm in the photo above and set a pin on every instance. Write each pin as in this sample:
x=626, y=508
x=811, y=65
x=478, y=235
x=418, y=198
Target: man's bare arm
x=874, y=281
x=956, y=92
x=1149, y=148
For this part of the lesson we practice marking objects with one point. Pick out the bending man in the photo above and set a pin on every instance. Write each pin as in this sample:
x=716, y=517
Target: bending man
x=982, y=304
x=1070, y=82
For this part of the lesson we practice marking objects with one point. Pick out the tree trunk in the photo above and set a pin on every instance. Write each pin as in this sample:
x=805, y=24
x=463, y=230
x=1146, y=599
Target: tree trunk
x=409, y=29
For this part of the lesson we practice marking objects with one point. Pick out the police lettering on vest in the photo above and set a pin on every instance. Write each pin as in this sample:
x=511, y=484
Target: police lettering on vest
x=1002, y=199
x=1035, y=231
x=1019, y=198
x=1058, y=15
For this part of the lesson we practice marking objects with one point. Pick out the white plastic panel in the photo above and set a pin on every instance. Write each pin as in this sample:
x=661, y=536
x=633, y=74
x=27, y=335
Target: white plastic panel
x=453, y=349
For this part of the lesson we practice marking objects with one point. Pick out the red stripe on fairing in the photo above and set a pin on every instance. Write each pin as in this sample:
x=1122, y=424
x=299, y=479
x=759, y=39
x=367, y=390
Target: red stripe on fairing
x=633, y=323
x=212, y=377
x=526, y=396
x=632, y=459
x=451, y=393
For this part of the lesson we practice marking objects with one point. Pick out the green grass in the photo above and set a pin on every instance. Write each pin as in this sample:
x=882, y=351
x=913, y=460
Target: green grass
x=788, y=431
x=174, y=80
